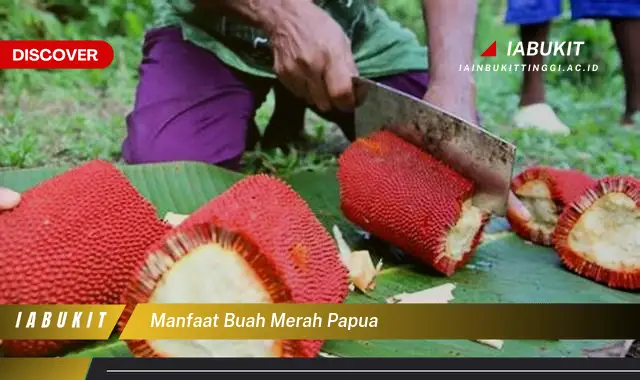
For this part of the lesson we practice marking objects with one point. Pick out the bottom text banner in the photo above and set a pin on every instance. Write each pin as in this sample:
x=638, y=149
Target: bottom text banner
x=380, y=321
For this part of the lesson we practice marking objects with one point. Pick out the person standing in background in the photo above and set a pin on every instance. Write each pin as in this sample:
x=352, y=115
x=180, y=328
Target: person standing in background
x=534, y=18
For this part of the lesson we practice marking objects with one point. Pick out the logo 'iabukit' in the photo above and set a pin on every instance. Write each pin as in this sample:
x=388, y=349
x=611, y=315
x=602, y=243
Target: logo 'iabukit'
x=521, y=49
x=555, y=48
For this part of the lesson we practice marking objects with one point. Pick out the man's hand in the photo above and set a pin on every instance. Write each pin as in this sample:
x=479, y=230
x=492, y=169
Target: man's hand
x=463, y=106
x=516, y=207
x=8, y=199
x=313, y=57
x=451, y=30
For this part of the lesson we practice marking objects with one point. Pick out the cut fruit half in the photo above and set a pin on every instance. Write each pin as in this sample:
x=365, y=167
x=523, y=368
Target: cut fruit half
x=598, y=235
x=403, y=195
x=257, y=242
x=545, y=192
x=74, y=239
x=207, y=264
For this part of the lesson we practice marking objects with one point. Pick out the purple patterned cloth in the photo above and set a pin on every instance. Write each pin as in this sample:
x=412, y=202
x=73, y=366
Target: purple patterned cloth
x=190, y=106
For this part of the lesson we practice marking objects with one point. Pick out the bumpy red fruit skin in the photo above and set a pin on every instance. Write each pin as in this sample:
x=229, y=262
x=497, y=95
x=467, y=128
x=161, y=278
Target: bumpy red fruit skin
x=401, y=194
x=564, y=186
x=297, y=255
x=575, y=261
x=76, y=238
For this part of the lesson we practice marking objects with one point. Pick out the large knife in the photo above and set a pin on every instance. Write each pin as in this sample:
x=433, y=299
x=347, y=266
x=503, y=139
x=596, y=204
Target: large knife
x=478, y=155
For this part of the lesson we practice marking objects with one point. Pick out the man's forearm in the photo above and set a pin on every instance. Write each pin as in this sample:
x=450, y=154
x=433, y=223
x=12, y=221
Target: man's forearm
x=265, y=14
x=451, y=32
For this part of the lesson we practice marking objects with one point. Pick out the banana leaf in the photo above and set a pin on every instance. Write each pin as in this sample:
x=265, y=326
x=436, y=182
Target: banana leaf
x=504, y=269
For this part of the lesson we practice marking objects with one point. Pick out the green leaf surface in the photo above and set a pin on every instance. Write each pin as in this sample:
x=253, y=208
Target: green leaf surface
x=112, y=348
x=504, y=269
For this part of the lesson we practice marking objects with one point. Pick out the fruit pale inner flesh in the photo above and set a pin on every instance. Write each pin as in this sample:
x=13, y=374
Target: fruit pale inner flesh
x=212, y=274
x=536, y=197
x=607, y=233
x=460, y=237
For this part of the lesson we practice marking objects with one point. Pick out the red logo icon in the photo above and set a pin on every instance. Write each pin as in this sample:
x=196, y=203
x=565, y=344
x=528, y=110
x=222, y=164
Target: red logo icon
x=55, y=54
x=491, y=50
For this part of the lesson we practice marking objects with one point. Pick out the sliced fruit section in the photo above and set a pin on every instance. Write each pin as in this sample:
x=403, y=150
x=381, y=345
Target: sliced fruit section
x=258, y=242
x=76, y=238
x=598, y=235
x=405, y=196
x=545, y=192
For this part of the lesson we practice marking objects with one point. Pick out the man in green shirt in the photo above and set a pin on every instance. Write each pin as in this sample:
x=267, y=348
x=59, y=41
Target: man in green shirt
x=208, y=65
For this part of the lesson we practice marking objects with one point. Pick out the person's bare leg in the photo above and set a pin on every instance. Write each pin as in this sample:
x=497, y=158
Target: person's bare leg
x=532, y=90
x=626, y=32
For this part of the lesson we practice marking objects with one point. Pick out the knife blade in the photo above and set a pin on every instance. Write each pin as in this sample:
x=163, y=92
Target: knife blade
x=472, y=151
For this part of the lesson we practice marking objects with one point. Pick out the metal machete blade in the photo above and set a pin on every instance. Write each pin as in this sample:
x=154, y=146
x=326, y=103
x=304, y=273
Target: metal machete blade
x=475, y=153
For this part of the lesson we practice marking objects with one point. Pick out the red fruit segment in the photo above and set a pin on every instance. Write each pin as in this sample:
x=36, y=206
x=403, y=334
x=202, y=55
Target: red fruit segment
x=203, y=264
x=76, y=238
x=401, y=194
x=598, y=234
x=258, y=242
x=545, y=192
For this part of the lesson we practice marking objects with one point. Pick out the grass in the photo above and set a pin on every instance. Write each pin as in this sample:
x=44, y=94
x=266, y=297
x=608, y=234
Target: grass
x=66, y=117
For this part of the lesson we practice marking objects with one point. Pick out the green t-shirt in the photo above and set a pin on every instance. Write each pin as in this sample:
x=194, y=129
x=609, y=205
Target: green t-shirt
x=381, y=46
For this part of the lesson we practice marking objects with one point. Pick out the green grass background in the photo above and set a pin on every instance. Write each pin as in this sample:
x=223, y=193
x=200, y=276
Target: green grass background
x=66, y=117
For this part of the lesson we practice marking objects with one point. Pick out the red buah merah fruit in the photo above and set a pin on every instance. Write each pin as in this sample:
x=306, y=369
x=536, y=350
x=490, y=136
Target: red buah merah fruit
x=257, y=242
x=406, y=197
x=545, y=192
x=598, y=234
x=76, y=238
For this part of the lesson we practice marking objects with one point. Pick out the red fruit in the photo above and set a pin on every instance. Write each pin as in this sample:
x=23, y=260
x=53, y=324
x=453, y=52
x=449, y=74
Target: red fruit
x=598, y=235
x=403, y=195
x=258, y=242
x=545, y=192
x=76, y=238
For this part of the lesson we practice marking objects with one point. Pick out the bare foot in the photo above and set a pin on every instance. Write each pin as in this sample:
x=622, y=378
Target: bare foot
x=8, y=199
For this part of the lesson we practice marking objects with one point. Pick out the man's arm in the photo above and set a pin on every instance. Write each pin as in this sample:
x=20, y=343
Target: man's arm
x=318, y=70
x=451, y=29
